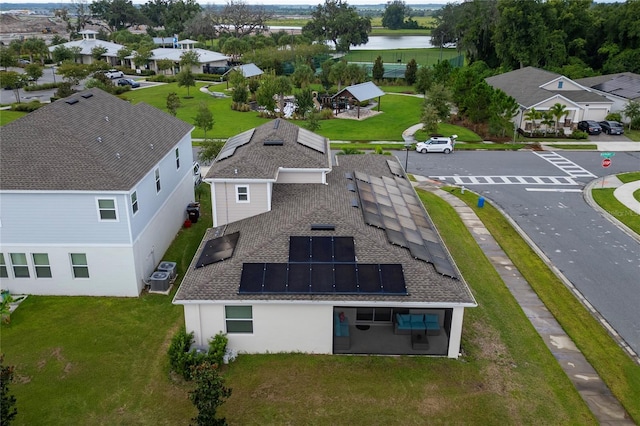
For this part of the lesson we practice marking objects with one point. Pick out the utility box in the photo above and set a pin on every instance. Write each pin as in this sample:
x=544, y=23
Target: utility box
x=193, y=211
x=159, y=281
x=169, y=267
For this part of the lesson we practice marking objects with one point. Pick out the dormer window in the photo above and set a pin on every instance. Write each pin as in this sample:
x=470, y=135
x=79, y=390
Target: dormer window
x=560, y=83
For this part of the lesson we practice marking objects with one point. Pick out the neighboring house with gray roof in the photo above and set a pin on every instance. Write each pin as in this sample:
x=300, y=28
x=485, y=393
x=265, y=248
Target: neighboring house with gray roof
x=621, y=88
x=206, y=58
x=88, y=43
x=536, y=88
x=338, y=262
x=93, y=190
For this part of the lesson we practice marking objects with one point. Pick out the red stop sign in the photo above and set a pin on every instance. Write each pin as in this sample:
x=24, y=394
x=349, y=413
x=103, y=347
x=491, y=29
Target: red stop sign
x=606, y=162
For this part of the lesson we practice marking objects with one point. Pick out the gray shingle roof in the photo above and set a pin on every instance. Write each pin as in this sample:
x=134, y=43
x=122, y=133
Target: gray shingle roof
x=57, y=146
x=524, y=86
x=265, y=238
x=254, y=160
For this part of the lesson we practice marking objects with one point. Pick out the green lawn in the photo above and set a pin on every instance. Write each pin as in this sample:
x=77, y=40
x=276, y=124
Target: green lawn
x=605, y=199
x=102, y=361
x=614, y=366
x=7, y=116
x=446, y=129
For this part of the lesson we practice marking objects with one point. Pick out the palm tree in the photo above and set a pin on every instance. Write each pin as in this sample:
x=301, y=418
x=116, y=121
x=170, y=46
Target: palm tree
x=547, y=120
x=558, y=111
x=532, y=115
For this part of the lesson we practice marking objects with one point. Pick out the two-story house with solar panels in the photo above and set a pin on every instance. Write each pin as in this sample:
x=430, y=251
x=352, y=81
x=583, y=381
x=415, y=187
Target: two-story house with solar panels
x=93, y=190
x=306, y=256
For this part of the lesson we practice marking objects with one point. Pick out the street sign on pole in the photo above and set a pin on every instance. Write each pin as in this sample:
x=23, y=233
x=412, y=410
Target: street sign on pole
x=606, y=162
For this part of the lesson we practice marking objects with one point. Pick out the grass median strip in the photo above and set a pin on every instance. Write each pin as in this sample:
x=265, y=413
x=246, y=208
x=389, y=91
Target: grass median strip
x=614, y=366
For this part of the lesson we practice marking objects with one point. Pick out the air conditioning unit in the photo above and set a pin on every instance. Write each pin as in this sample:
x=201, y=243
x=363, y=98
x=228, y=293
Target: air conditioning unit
x=169, y=267
x=159, y=281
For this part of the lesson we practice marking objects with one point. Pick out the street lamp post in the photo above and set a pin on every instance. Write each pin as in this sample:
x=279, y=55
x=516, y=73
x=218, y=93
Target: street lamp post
x=407, y=146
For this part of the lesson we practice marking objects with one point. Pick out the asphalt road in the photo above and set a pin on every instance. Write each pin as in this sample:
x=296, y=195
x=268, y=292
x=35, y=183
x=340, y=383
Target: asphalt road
x=545, y=199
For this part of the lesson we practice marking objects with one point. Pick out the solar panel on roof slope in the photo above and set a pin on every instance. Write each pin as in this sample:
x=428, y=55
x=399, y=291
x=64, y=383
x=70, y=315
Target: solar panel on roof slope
x=368, y=278
x=234, y=142
x=299, y=277
x=419, y=251
x=252, y=278
x=392, y=278
x=218, y=249
x=322, y=278
x=299, y=249
x=321, y=249
x=275, y=278
x=345, y=277
x=344, y=249
x=311, y=140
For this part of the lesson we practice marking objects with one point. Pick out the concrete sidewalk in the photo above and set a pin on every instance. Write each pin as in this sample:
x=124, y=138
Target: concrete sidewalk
x=604, y=406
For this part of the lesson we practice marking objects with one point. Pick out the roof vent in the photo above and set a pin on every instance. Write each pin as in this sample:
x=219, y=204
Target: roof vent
x=72, y=101
x=276, y=124
x=99, y=139
x=273, y=142
x=322, y=227
x=118, y=155
x=235, y=171
x=354, y=203
x=106, y=119
x=87, y=95
x=151, y=145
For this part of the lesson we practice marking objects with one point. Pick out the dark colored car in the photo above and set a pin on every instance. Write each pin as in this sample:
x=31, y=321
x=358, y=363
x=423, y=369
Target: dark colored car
x=590, y=126
x=612, y=127
x=128, y=82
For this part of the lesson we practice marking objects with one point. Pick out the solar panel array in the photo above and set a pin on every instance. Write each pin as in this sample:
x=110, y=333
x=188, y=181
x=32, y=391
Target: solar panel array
x=322, y=265
x=234, y=142
x=392, y=204
x=624, y=85
x=395, y=168
x=218, y=249
x=312, y=140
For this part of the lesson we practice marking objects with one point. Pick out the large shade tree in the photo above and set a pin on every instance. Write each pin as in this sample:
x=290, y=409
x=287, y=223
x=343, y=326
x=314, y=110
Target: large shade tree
x=340, y=23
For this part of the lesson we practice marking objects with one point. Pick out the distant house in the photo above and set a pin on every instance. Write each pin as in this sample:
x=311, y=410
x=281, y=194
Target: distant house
x=88, y=43
x=207, y=58
x=310, y=257
x=536, y=88
x=621, y=88
x=93, y=190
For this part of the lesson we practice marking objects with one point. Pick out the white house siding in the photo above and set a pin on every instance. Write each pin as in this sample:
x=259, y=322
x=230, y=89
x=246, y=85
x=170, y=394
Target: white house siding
x=225, y=207
x=596, y=111
x=46, y=218
x=111, y=271
x=277, y=327
x=154, y=240
x=301, y=176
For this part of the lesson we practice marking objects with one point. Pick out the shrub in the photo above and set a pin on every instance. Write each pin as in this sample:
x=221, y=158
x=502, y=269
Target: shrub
x=161, y=78
x=181, y=358
x=635, y=123
x=614, y=116
x=326, y=114
x=44, y=86
x=28, y=107
x=208, y=77
x=579, y=134
x=218, y=347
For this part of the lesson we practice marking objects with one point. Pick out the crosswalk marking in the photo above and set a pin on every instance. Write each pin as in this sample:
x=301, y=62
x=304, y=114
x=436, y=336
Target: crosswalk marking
x=507, y=180
x=564, y=164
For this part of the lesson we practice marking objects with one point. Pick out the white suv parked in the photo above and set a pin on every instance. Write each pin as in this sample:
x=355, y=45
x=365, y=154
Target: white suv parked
x=114, y=73
x=437, y=144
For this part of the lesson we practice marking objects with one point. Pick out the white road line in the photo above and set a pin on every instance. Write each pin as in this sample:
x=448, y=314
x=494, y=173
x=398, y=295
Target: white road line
x=507, y=180
x=553, y=190
x=564, y=164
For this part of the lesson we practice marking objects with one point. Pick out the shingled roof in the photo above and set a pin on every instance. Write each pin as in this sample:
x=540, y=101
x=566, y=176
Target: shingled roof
x=255, y=160
x=97, y=143
x=524, y=86
x=265, y=238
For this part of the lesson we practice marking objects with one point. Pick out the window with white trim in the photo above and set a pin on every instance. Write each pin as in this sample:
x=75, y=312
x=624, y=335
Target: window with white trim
x=41, y=265
x=239, y=319
x=107, y=209
x=177, y=158
x=20, y=266
x=134, y=202
x=157, y=180
x=79, y=265
x=3, y=267
x=242, y=194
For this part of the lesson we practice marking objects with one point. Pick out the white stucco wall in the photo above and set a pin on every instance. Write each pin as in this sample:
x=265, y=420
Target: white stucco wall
x=277, y=327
